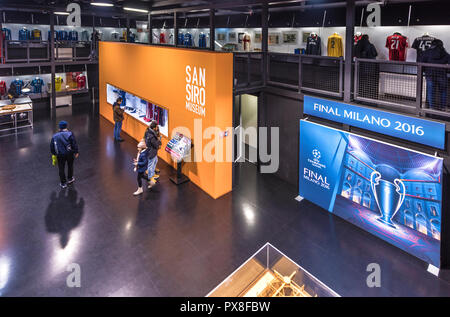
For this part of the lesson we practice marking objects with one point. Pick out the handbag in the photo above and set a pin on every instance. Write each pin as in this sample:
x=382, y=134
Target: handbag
x=54, y=160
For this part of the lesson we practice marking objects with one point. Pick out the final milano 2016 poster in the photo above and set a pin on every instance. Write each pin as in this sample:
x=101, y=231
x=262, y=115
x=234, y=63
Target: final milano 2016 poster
x=389, y=191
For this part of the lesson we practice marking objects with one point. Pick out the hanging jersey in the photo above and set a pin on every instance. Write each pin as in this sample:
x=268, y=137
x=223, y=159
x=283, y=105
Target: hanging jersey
x=313, y=45
x=55, y=37
x=58, y=83
x=6, y=34
x=62, y=35
x=37, y=84
x=73, y=36
x=85, y=36
x=81, y=81
x=19, y=85
x=115, y=36
x=36, y=35
x=335, y=47
x=180, y=38
x=162, y=38
x=397, y=45
x=202, y=41
x=23, y=35
x=421, y=44
x=188, y=39
x=3, y=89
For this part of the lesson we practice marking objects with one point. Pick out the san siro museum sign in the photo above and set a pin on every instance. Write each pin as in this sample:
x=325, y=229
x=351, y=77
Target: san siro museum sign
x=413, y=129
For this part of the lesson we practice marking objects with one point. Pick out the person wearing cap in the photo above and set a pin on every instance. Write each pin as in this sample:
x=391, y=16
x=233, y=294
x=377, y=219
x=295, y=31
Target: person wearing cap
x=65, y=147
x=118, y=118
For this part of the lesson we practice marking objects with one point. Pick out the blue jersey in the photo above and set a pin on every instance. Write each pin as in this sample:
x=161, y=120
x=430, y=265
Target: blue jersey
x=180, y=39
x=188, y=39
x=6, y=34
x=50, y=35
x=73, y=36
x=24, y=35
x=202, y=40
x=62, y=35
x=19, y=85
x=37, y=84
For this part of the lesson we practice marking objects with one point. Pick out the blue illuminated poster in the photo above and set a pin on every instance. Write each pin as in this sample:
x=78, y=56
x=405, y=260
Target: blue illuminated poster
x=389, y=191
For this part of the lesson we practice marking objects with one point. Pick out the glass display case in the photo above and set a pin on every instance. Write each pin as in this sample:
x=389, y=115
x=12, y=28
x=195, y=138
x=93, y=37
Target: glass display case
x=139, y=109
x=39, y=86
x=270, y=273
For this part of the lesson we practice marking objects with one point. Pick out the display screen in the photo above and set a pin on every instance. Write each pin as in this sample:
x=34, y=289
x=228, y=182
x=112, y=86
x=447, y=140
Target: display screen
x=139, y=108
x=389, y=191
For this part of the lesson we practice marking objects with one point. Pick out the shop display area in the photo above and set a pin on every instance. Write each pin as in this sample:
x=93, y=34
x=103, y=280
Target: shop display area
x=174, y=241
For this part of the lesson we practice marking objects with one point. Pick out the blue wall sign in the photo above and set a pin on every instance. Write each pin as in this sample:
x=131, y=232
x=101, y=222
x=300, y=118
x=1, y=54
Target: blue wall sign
x=404, y=127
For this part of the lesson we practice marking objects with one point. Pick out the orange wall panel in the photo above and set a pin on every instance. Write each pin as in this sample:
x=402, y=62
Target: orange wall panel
x=158, y=75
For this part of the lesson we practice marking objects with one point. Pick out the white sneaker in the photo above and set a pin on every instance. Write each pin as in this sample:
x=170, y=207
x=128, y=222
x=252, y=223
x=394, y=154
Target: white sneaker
x=138, y=192
x=151, y=184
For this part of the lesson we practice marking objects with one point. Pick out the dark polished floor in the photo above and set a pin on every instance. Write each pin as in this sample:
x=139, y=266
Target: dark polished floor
x=172, y=241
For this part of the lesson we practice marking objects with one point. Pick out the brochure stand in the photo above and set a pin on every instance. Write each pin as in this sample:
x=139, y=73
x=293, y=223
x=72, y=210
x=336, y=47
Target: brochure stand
x=179, y=177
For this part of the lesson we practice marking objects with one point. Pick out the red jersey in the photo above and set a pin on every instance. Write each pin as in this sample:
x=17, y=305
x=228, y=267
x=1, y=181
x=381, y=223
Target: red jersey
x=81, y=81
x=397, y=45
x=2, y=88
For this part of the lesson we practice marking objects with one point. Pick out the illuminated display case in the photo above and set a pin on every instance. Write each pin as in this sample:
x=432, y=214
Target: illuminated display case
x=270, y=273
x=139, y=109
x=39, y=85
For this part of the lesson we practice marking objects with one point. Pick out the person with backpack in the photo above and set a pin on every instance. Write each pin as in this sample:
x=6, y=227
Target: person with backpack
x=64, y=146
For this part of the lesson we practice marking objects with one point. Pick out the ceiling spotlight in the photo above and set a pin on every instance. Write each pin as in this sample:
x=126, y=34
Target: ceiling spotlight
x=61, y=13
x=102, y=4
x=135, y=10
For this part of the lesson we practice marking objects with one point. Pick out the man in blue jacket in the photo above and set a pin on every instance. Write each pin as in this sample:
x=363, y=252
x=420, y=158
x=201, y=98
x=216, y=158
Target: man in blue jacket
x=65, y=147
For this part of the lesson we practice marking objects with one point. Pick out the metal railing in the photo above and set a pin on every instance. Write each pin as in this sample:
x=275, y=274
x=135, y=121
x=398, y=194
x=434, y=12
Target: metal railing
x=248, y=69
x=316, y=74
x=26, y=51
x=73, y=51
x=39, y=51
x=409, y=87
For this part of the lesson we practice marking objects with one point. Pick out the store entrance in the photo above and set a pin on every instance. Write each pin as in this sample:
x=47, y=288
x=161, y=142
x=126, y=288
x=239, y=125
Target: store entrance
x=245, y=120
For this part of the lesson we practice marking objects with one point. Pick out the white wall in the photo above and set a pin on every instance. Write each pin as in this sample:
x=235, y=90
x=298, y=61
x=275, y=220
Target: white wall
x=249, y=112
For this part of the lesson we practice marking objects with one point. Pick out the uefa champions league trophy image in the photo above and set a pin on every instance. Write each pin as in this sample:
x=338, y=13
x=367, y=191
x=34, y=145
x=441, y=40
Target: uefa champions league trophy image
x=389, y=192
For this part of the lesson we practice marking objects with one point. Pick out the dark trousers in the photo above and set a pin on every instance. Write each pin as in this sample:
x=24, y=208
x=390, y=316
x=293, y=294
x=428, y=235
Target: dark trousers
x=141, y=176
x=62, y=160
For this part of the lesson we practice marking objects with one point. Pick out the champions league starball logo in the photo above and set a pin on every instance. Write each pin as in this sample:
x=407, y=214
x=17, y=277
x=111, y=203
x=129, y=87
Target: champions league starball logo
x=316, y=154
x=389, y=192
